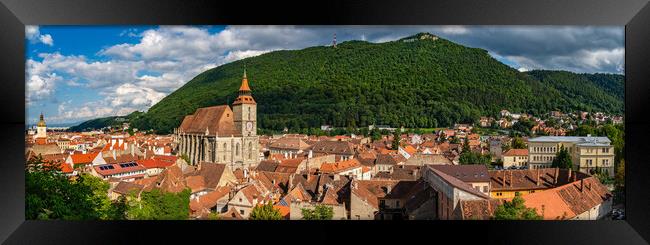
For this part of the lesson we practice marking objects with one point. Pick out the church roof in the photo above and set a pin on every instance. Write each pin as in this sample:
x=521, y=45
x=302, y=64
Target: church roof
x=213, y=120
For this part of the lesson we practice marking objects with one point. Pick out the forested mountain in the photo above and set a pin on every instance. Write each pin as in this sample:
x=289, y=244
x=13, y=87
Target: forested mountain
x=418, y=81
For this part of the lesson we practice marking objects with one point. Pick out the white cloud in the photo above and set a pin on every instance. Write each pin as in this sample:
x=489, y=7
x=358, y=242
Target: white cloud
x=40, y=87
x=33, y=34
x=134, y=96
x=239, y=54
x=454, y=30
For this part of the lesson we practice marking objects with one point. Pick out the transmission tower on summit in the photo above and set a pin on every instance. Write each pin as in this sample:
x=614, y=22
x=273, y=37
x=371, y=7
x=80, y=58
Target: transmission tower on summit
x=334, y=41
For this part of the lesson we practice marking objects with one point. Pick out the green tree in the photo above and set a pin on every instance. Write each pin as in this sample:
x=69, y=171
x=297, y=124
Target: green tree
x=49, y=194
x=515, y=210
x=562, y=159
x=468, y=158
x=518, y=143
x=320, y=212
x=396, y=140
x=158, y=205
x=376, y=135
x=620, y=174
x=265, y=212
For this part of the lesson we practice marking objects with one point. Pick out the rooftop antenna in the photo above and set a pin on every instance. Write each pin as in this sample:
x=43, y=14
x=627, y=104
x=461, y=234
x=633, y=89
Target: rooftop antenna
x=334, y=41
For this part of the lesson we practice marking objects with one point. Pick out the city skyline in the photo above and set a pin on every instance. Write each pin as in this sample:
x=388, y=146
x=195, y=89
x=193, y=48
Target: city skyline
x=79, y=73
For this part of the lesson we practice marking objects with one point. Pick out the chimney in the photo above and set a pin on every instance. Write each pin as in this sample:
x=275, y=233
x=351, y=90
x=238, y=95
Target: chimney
x=582, y=184
x=557, y=172
x=337, y=177
x=311, y=154
x=510, y=178
x=574, y=177
x=569, y=176
x=503, y=179
x=538, y=177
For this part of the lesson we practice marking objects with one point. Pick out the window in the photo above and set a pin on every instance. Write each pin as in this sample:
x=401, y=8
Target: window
x=241, y=212
x=499, y=194
x=237, y=150
x=239, y=199
x=397, y=204
x=485, y=189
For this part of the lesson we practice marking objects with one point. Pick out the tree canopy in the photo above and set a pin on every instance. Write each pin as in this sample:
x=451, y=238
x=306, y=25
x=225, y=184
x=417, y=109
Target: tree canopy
x=562, y=159
x=319, y=212
x=158, y=205
x=265, y=212
x=49, y=194
x=515, y=210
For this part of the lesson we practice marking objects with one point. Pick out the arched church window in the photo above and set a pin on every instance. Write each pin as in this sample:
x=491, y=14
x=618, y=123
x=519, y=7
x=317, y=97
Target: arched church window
x=249, y=113
x=225, y=147
x=237, y=150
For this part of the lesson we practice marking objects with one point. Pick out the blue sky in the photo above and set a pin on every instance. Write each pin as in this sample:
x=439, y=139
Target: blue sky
x=75, y=73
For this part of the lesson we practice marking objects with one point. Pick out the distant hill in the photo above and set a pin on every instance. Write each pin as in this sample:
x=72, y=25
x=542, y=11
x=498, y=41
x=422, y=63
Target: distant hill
x=418, y=81
x=103, y=122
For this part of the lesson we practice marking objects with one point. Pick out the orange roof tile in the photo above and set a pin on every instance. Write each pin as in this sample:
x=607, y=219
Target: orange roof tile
x=516, y=152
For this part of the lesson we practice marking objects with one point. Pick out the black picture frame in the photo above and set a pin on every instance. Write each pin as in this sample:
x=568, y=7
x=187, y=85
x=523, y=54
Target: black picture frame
x=633, y=14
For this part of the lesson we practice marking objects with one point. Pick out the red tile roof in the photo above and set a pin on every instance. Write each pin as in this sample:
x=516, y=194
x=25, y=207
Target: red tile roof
x=516, y=152
x=83, y=158
x=340, y=166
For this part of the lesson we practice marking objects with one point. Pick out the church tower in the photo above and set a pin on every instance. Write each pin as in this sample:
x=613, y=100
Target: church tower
x=245, y=110
x=41, y=131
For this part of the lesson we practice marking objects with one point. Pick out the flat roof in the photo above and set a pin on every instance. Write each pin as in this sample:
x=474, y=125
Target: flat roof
x=574, y=139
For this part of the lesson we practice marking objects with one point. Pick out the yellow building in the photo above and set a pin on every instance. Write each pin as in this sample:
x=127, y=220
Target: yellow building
x=515, y=157
x=587, y=152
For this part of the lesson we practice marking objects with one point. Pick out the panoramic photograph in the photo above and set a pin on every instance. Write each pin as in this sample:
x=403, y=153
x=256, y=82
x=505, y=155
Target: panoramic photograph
x=324, y=123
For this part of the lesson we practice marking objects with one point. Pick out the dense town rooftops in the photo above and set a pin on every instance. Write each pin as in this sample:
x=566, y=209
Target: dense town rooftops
x=341, y=166
x=334, y=147
x=289, y=144
x=465, y=173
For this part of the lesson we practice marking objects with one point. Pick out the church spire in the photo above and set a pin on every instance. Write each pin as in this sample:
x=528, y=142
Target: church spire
x=245, y=96
x=244, y=84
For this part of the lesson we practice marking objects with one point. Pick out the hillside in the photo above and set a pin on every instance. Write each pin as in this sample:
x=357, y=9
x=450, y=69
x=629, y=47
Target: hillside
x=418, y=81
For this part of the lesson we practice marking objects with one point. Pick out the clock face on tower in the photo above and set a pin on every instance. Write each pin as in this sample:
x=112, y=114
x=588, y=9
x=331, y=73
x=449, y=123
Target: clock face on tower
x=249, y=126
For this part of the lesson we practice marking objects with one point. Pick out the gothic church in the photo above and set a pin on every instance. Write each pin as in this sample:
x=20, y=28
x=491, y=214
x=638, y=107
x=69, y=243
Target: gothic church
x=221, y=135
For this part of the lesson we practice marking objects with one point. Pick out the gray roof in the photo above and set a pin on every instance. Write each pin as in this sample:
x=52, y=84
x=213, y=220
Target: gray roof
x=575, y=139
